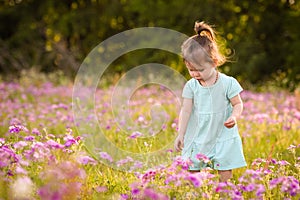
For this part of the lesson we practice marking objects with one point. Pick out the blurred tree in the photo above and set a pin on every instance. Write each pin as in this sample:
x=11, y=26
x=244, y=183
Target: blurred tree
x=261, y=37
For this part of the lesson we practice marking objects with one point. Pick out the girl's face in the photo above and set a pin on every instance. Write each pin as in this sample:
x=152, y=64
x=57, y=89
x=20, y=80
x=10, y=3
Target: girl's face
x=203, y=72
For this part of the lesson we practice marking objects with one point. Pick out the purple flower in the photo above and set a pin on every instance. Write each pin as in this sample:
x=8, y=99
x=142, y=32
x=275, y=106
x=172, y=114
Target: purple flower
x=86, y=160
x=151, y=194
x=20, y=170
x=260, y=190
x=283, y=162
x=17, y=128
x=136, y=165
x=35, y=131
x=135, y=191
x=2, y=141
x=274, y=182
x=203, y=158
x=55, y=145
x=250, y=187
x=194, y=179
x=289, y=184
x=101, y=188
x=124, y=161
x=135, y=134
x=70, y=140
x=106, y=156
x=149, y=175
x=221, y=186
x=124, y=196
x=7, y=156
x=179, y=162
x=20, y=144
x=29, y=138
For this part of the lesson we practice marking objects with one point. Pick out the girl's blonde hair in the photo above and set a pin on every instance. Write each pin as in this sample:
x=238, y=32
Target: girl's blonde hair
x=203, y=45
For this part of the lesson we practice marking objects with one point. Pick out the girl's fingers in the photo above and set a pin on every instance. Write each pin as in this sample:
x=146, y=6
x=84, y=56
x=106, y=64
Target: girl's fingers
x=229, y=123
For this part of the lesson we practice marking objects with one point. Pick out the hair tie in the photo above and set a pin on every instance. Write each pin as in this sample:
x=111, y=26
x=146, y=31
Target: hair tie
x=203, y=29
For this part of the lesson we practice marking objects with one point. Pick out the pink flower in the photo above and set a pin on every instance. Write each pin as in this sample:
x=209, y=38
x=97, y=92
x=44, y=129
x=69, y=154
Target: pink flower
x=17, y=128
x=203, y=158
x=106, y=156
x=86, y=160
x=101, y=189
x=124, y=161
x=55, y=145
x=135, y=134
x=124, y=196
x=20, y=144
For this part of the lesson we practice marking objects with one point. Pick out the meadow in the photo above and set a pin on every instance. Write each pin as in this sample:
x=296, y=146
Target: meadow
x=44, y=156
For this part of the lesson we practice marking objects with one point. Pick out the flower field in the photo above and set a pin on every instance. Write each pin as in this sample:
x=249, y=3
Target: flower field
x=44, y=156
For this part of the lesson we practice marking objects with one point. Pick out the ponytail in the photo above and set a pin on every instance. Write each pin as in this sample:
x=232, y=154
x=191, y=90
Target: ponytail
x=203, y=29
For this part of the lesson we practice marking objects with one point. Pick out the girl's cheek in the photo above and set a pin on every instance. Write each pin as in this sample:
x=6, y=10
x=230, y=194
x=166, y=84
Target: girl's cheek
x=195, y=74
x=192, y=74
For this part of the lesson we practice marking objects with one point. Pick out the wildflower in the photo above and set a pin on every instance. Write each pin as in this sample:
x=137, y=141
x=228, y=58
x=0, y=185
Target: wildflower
x=124, y=196
x=29, y=138
x=260, y=190
x=35, y=131
x=135, y=191
x=141, y=119
x=221, y=186
x=124, y=161
x=7, y=156
x=53, y=144
x=291, y=147
x=149, y=175
x=174, y=125
x=194, y=179
x=135, y=134
x=86, y=160
x=152, y=194
x=230, y=189
x=250, y=187
x=20, y=170
x=106, y=156
x=136, y=165
x=20, y=144
x=2, y=141
x=203, y=158
x=289, y=184
x=179, y=162
x=70, y=140
x=17, y=128
x=283, y=162
x=169, y=150
x=101, y=188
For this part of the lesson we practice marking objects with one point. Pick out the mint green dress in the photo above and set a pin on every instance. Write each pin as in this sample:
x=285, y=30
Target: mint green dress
x=206, y=133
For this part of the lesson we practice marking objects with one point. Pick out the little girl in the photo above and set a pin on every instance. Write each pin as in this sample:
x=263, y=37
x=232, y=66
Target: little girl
x=210, y=108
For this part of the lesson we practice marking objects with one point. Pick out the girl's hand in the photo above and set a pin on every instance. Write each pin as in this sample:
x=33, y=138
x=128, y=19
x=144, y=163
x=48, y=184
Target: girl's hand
x=178, y=144
x=230, y=122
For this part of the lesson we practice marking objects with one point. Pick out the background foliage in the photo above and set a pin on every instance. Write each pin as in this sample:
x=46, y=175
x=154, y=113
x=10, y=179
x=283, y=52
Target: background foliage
x=261, y=37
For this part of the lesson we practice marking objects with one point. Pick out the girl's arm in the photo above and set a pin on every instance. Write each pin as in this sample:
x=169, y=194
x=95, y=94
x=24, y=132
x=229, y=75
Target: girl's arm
x=237, y=105
x=184, y=117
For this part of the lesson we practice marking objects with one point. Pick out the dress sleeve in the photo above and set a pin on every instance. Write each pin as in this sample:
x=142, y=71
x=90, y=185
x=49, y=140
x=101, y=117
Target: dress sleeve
x=187, y=91
x=234, y=88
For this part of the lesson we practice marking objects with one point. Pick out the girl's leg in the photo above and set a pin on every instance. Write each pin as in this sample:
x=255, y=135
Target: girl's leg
x=225, y=175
